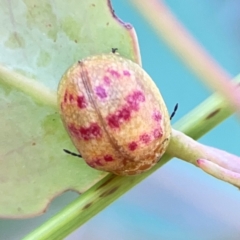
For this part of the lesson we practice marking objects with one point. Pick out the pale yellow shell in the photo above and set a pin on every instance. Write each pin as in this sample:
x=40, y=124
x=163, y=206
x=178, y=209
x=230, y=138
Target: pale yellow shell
x=114, y=114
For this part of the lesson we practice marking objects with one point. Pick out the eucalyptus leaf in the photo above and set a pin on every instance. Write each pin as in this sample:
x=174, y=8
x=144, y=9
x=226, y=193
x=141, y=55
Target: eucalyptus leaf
x=39, y=40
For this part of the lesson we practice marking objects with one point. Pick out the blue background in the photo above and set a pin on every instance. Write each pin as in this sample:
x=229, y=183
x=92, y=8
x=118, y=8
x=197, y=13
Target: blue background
x=179, y=201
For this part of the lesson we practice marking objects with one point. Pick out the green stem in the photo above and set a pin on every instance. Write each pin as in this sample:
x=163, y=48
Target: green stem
x=31, y=87
x=207, y=115
x=195, y=124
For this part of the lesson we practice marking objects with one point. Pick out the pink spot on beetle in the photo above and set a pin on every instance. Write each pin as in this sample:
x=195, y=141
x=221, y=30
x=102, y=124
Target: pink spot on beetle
x=91, y=164
x=95, y=162
x=68, y=97
x=65, y=96
x=108, y=158
x=86, y=133
x=157, y=116
x=81, y=101
x=157, y=133
x=134, y=100
x=114, y=73
x=73, y=130
x=101, y=92
x=114, y=120
x=145, y=138
x=124, y=114
x=98, y=162
x=91, y=132
x=107, y=80
x=71, y=98
x=132, y=146
x=126, y=73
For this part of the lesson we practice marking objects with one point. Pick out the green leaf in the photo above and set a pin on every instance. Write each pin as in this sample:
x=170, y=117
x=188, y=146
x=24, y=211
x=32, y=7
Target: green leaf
x=39, y=40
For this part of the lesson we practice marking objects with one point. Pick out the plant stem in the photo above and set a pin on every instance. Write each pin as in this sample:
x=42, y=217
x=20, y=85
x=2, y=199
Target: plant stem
x=112, y=187
x=29, y=86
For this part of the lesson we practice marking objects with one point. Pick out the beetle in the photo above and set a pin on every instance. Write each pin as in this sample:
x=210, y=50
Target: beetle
x=114, y=114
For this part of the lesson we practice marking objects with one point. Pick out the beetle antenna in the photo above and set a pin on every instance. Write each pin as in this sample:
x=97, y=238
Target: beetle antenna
x=174, y=111
x=72, y=153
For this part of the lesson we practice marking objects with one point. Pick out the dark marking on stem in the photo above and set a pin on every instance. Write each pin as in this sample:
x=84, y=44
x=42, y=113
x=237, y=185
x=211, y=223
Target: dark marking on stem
x=105, y=183
x=87, y=206
x=113, y=190
x=109, y=192
x=212, y=114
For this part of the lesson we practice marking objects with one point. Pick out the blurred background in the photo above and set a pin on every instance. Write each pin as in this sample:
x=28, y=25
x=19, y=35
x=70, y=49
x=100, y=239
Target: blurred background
x=179, y=201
